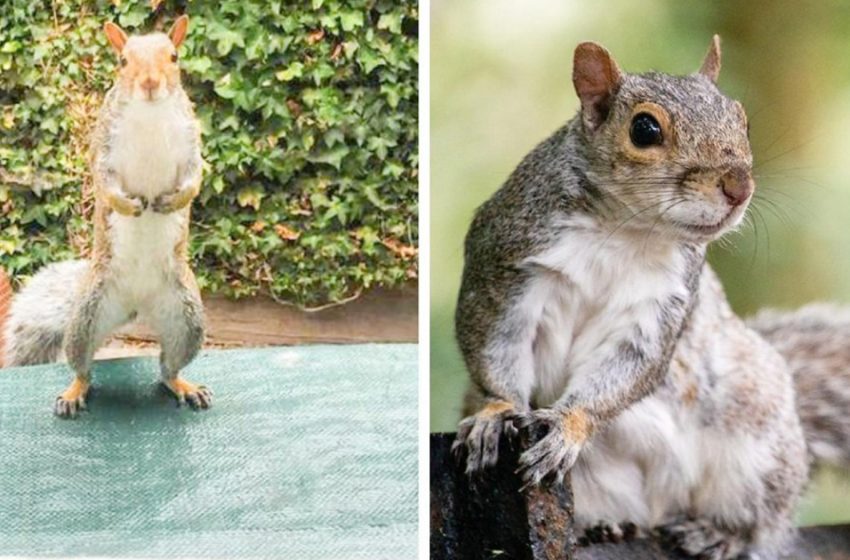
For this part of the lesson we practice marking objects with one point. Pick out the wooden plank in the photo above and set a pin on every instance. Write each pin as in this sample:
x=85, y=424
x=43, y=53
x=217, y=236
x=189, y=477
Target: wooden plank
x=486, y=517
x=377, y=316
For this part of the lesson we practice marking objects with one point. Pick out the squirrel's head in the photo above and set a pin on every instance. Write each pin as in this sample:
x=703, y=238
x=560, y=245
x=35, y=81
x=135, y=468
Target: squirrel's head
x=673, y=151
x=149, y=70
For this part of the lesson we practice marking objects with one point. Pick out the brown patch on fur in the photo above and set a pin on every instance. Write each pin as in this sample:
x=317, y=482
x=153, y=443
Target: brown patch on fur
x=684, y=380
x=76, y=390
x=749, y=410
x=576, y=425
x=180, y=387
x=494, y=408
x=705, y=182
x=689, y=396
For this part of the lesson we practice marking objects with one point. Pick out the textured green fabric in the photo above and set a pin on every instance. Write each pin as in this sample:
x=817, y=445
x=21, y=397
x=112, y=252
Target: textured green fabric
x=307, y=453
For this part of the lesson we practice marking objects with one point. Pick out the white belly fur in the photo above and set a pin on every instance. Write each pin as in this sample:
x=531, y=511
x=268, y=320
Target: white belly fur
x=641, y=468
x=657, y=461
x=143, y=256
x=591, y=288
x=151, y=142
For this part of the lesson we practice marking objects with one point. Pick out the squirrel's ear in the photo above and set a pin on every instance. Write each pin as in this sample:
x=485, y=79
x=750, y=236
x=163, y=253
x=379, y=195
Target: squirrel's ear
x=711, y=63
x=117, y=37
x=596, y=78
x=178, y=30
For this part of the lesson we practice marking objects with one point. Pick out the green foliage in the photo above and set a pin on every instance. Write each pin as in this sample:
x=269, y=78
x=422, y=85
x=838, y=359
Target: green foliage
x=309, y=118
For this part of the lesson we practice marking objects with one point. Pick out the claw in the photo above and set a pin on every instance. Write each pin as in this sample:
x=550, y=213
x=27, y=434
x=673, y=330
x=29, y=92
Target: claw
x=701, y=538
x=478, y=435
x=202, y=398
x=199, y=397
x=72, y=401
x=557, y=451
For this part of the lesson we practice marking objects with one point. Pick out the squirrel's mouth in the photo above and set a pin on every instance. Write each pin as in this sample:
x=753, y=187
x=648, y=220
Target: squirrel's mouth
x=708, y=229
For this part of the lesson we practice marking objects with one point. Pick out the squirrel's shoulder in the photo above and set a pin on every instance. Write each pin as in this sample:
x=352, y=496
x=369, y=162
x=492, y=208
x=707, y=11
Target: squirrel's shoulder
x=105, y=117
x=516, y=220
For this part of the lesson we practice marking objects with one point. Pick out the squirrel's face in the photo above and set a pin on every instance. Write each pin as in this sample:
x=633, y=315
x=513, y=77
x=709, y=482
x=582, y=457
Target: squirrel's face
x=671, y=153
x=149, y=69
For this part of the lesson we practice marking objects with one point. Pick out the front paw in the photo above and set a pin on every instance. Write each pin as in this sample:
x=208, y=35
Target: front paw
x=478, y=435
x=129, y=205
x=556, y=452
x=164, y=203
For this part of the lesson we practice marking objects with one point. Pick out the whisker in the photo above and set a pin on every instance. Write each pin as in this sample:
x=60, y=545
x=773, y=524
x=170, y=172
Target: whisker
x=657, y=220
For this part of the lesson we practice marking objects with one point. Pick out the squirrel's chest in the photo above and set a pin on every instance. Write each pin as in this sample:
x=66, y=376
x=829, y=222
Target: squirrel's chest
x=149, y=145
x=589, y=292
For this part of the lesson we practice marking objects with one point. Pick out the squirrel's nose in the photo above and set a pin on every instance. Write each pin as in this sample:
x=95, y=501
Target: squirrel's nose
x=737, y=186
x=150, y=84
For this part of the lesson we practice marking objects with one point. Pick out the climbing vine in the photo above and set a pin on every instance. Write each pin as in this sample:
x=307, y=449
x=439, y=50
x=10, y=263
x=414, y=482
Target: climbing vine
x=309, y=119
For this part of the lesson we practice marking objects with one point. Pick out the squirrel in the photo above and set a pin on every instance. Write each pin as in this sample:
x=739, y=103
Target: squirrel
x=147, y=167
x=587, y=312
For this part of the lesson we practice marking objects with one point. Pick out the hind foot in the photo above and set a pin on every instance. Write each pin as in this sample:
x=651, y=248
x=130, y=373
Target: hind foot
x=609, y=533
x=702, y=539
x=72, y=400
x=198, y=396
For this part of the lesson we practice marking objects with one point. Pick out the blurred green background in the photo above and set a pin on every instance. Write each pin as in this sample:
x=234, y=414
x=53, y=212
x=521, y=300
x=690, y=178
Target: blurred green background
x=500, y=83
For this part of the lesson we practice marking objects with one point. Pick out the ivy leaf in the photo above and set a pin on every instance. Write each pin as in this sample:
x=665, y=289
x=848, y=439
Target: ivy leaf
x=199, y=65
x=293, y=71
x=332, y=156
x=11, y=46
x=391, y=21
x=309, y=134
x=224, y=89
x=226, y=39
x=250, y=196
x=351, y=20
x=131, y=19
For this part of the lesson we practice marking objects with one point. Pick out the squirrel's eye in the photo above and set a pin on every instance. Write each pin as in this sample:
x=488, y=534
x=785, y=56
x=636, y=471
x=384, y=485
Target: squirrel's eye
x=645, y=131
x=123, y=61
x=173, y=57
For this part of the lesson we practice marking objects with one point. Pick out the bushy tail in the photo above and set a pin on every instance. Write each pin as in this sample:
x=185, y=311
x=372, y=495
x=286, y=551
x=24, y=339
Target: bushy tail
x=35, y=326
x=815, y=341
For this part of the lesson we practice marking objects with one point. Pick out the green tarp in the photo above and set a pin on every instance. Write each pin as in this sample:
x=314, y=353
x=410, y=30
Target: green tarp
x=307, y=453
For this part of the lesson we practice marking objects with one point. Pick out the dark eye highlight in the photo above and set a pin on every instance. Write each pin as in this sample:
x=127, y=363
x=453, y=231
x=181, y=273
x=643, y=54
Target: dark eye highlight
x=173, y=57
x=123, y=61
x=645, y=131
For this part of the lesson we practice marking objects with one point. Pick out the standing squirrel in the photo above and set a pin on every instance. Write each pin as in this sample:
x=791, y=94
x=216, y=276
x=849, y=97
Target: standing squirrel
x=147, y=167
x=587, y=309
